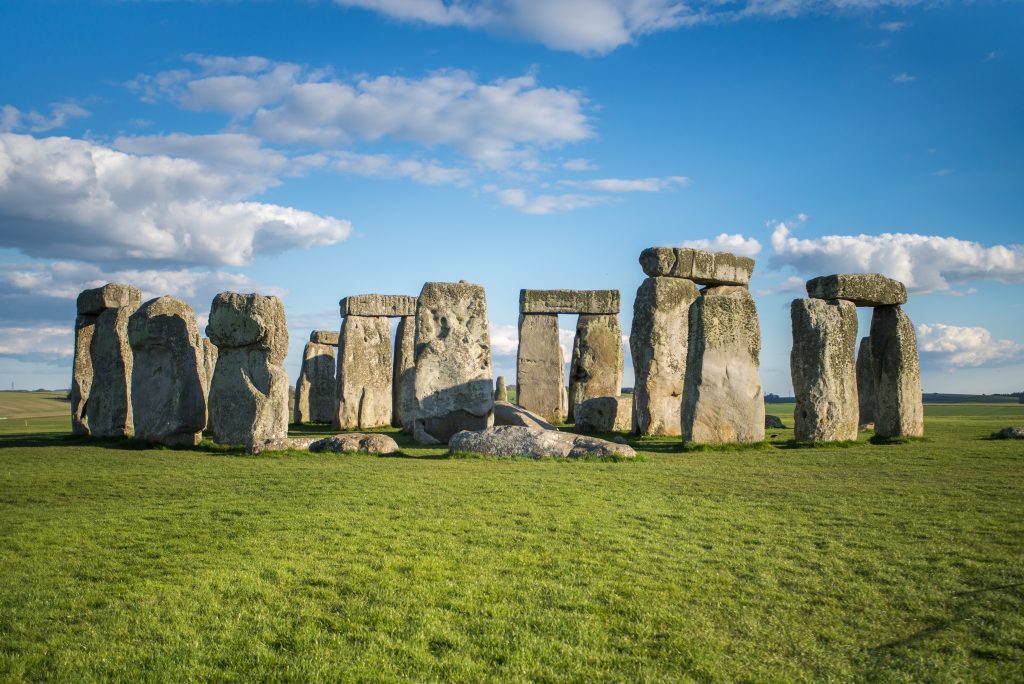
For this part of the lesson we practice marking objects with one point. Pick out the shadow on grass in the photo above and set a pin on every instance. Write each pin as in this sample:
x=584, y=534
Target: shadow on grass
x=878, y=440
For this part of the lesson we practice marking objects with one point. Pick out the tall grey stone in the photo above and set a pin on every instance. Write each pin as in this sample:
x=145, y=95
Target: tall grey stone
x=249, y=393
x=403, y=390
x=597, y=361
x=81, y=373
x=500, y=391
x=823, y=370
x=316, y=386
x=364, y=373
x=209, y=361
x=453, y=379
x=657, y=343
x=899, y=406
x=722, y=398
x=109, y=408
x=540, y=368
x=865, y=382
x=168, y=373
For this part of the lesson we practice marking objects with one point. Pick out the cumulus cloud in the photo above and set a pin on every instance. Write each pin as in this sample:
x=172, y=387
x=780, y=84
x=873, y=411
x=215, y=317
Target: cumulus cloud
x=925, y=263
x=724, y=242
x=13, y=119
x=504, y=339
x=47, y=343
x=957, y=346
x=630, y=184
x=68, y=198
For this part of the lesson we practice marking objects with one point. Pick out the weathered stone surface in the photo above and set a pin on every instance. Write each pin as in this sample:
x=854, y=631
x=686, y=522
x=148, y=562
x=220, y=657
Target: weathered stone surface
x=510, y=414
x=500, y=391
x=706, y=268
x=368, y=443
x=453, y=378
x=209, y=361
x=657, y=343
x=823, y=370
x=511, y=441
x=1011, y=433
x=81, y=374
x=597, y=361
x=569, y=301
x=403, y=389
x=281, y=444
x=774, y=422
x=324, y=337
x=540, y=368
x=378, y=305
x=722, y=398
x=248, y=401
x=865, y=383
x=168, y=373
x=315, y=389
x=111, y=296
x=109, y=408
x=605, y=414
x=364, y=373
x=863, y=289
x=899, y=406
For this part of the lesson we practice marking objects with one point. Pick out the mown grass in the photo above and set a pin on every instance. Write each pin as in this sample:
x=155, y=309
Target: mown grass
x=868, y=562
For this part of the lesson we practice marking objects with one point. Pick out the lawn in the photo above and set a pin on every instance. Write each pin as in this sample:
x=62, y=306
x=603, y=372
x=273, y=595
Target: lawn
x=869, y=562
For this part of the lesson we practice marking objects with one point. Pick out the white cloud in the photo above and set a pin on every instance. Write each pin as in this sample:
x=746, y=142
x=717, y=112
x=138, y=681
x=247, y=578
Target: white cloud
x=578, y=165
x=925, y=263
x=723, y=242
x=40, y=342
x=12, y=119
x=430, y=172
x=518, y=199
x=903, y=78
x=960, y=346
x=504, y=339
x=630, y=184
x=893, y=26
x=67, y=198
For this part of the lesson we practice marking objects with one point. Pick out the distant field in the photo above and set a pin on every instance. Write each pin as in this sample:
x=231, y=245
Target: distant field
x=19, y=410
x=775, y=563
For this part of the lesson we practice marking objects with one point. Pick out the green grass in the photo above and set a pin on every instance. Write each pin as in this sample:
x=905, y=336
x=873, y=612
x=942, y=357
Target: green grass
x=868, y=562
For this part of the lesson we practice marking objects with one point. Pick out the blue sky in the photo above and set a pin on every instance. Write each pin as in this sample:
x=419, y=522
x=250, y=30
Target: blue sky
x=319, y=149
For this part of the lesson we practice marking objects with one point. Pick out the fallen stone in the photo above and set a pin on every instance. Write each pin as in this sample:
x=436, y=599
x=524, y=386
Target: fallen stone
x=619, y=439
x=899, y=406
x=403, y=390
x=705, y=268
x=867, y=427
x=281, y=444
x=540, y=368
x=512, y=441
x=368, y=443
x=569, y=301
x=863, y=289
x=391, y=306
x=324, y=337
x=111, y=296
x=1011, y=433
x=168, y=373
x=453, y=378
x=657, y=343
x=510, y=414
x=597, y=360
x=316, y=386
x=109, y=408
x=722, y=398
x=81, y=374
x=823, y=370
x=604, y=414
x=364, y=373
x=500, y=391
x=865, y=383
x=774, y=422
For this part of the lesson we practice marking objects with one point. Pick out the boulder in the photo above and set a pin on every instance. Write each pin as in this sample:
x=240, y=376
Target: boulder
x=569, y=301
x=774, y=422
x=168, y=373
x=81, y=374
x=368, y=443
x=248, y=401
x=722, y=398
x=512, y=441
x=597, y=360
x=1011, y=433
x=315, y=388
x=863, y=289
x=391, y=306
x=865, y=383
x=604, y=414
x=540, y=368
x=281, y=444
x=111, y=296
x=403, y=397
x=705, y=268
x=510, y=414
x=500, y=391
x=324, y=337
x=364, y=373
x=453, y=377
x=899, y=406
x=109, y=408
x=823, y=370
x=657, y=343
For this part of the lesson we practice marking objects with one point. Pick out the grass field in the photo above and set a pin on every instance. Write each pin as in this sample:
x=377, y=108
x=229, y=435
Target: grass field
x=864, y=562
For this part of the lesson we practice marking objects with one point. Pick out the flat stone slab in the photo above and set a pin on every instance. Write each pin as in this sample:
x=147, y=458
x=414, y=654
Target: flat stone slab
x=569, y=301
x=863, y=289
x=329, y=337
x=510, y=414
x=509, y=441
x=356, y=442
x=391, y=306
x=111, y=296
x=704, y=268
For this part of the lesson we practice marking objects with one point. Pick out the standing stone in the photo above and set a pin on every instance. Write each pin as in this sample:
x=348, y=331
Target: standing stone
x=865, y=383
x=315, y=388
x=596, y=359
x=500, y=391
x=823, y=370
x=168, y=373
x=899, y=406
x=453, y=380
x=249, y=393
x=209, y=361
x=403, y=390
x=657, y=343
x=722, y=398
x=364, y=373
x=540, y=368
x=81, y=374
x=604, y=414
x=109, y=408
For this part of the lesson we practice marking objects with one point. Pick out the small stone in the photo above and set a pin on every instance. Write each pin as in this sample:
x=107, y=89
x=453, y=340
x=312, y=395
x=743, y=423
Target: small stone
x=390, y=306
x=509, y=414
x=281, y=444
x=704, y=268
x=500, y=391
x=569, y=301
x=352, y=442
x=1011, y=433
x=619, y=439
x=774, y=422
x=111, y=296
x=605, y=414
x=329, y=337
x=511, y=441
x=863, y=289
x=597, y=360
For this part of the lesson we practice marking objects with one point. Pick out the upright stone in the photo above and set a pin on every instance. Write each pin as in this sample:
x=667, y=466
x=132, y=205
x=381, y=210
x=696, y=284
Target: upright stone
x=315, y=388
x=865, y=382
x=823, y=370
x=364, y=373
x=168, y=373
x=249, y=393
x=899, y=406
x=109, y=409
x=657, y=343
x=722, y=398
x=540, y=368
x=81, y=374
x=500, y=391
x=453, y=379
x=596, y=359
x=403, y=390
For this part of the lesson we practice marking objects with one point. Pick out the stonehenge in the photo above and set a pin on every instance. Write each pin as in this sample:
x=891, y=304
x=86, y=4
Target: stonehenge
x=315, y=388
x=604, y=414
x=540, y=368
x=597, y=359
x=500, y=391
x=703, y=268
x=403, y=400
x=896, y=370
x=865, y=384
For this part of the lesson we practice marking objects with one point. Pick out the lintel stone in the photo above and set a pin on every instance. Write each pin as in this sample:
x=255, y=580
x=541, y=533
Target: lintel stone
x=569, y=301
x=111, y=296
x=329, y=337
x=863, y=289
x=391, y=306
x=703, y=268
